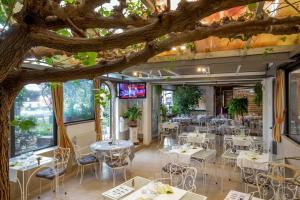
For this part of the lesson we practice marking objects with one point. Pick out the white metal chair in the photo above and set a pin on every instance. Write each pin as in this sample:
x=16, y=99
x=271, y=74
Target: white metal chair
x=117, y=159
x=61, y=156
x=84, y=160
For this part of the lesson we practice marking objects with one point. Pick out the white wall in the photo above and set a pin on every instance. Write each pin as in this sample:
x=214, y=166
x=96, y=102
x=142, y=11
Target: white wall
x=267, y=111
x=147, y=116
x=83, y=133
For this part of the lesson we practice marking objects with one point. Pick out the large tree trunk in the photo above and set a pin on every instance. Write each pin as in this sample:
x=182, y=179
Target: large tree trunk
x=13, y=46
x=8, y=92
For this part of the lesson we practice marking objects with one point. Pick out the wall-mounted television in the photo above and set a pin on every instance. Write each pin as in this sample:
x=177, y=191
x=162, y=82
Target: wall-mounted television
x=131, y=90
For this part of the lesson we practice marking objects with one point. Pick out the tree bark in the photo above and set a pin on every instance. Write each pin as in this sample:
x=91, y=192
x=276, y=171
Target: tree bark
x=13, y=47
x=8, y=92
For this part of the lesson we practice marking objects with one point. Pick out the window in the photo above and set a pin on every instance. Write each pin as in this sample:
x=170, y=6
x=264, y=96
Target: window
x=167, y=99
x=34, y=104
x=78, y=101
x=294, y=105
x=106, y=115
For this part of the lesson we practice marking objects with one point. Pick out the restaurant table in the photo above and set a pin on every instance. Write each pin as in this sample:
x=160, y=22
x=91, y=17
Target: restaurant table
x=250, y=159
x=136, y=186
x=24, y=164
x=182, y=119
x=229, y=158
x=104, y=147
x=185, y=152
x=170, y=125
x=209, y=137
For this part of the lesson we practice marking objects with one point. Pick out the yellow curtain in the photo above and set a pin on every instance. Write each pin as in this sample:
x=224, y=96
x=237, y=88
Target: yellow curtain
x=278, y=105
x=98, y=120
x=58, y=107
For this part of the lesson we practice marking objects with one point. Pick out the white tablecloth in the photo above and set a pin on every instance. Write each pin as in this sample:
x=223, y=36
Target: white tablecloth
x=149, y=192
x=170, y=125
x=253, y=160
x=239, y=140
x=185, y=153
x=104, y=147
x=17, y=164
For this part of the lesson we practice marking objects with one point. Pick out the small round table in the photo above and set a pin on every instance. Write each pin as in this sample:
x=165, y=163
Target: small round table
x=104, y=147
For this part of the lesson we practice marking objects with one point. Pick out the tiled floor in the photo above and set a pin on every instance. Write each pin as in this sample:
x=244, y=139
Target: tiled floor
x=146, y=164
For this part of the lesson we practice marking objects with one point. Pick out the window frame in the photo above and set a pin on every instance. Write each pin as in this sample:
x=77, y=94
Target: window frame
x=287, y=70
x=12, y=145
x=110, y=109
x=83, y=120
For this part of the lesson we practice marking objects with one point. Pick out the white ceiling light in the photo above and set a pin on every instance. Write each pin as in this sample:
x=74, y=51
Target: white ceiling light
x=135, y=73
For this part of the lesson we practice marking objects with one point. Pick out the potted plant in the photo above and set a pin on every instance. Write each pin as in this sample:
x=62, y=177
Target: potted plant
x=132, y=115
x=238, y=107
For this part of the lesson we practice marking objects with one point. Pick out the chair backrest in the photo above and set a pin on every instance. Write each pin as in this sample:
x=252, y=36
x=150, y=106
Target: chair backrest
x=190, y=175
x=275, y=187
x=118, y=156
x=77, y=151
x=196, y=139
x=62, y=156
x=167, y=157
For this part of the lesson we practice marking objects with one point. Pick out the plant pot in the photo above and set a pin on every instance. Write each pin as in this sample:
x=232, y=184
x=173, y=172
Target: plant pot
x=132, y=123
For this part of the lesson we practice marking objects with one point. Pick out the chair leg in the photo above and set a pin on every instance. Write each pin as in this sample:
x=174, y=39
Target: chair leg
x=96, y=170
x=40, y=189
x=78, y=169
x=114, y=181
x=125, y=174
x=82, y=172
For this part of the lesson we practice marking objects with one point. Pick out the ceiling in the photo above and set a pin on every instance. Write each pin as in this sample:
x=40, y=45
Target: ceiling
x=222, y=70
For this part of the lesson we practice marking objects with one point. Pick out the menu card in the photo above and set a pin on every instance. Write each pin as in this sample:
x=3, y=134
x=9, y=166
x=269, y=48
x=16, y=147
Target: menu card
x=235, y=195
x=118, y=192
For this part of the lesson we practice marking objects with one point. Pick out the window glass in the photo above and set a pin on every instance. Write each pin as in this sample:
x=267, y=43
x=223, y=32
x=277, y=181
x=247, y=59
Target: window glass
x=33, y=104
x=78, y=101
x=294, y=105
x=167, y=99
x=106, y=115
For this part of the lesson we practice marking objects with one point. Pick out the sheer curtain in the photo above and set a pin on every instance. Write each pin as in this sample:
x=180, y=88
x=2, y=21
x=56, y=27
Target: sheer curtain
x=58, y=108
x=98, y=128
x=278, y=105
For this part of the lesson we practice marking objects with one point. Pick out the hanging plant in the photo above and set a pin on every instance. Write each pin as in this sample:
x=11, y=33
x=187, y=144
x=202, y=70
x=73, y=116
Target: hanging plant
x=258, y=94
x=238, y=107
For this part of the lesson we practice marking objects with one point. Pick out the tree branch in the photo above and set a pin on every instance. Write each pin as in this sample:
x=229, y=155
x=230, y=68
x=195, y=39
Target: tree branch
x=95, y=21
x=185, y=17
x=289, y=25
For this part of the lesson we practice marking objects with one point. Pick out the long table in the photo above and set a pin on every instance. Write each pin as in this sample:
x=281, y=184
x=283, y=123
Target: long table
x=137, y=183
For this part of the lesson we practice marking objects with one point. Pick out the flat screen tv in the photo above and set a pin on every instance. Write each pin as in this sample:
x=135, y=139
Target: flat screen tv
x=131, y=90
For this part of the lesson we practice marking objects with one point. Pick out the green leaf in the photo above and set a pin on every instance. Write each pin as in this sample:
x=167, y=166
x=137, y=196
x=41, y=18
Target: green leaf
x=64, y=32
x=252, y=6
x=283, y=39
x=87, y=58
x=24, y=123
x=70, y=1
x=48, y=60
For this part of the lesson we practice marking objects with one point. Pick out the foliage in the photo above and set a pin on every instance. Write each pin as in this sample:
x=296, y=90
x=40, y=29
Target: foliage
x=87, y=58
x=102, y=97
x=133, y=113
x=185, y=98
x=164, y=111
x=78, y=100
x=258, y=94
x=136, y=7
x=158, y=90
x=25, y=124
x=238, y=106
